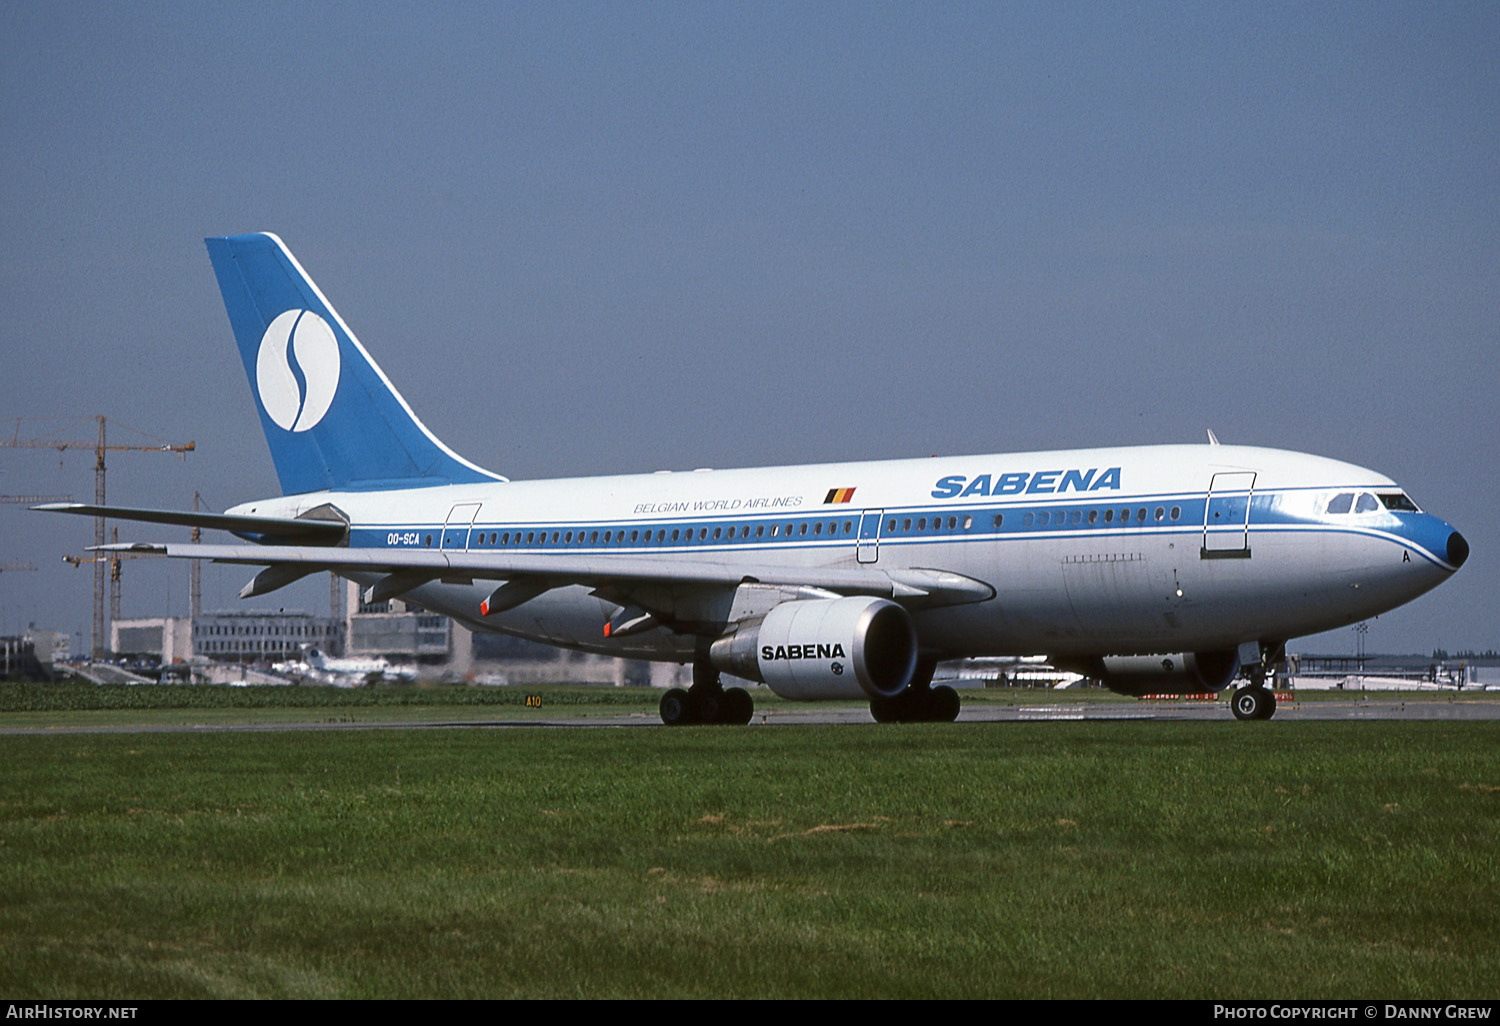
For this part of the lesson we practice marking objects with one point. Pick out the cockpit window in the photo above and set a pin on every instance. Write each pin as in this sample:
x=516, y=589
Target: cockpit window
x=1398, y=502
x=1366, y=503
x=1340, y=503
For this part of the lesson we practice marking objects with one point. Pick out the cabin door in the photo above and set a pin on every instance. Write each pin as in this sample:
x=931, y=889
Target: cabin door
x=867, y=549
x=1226, y=515
x=460, y=523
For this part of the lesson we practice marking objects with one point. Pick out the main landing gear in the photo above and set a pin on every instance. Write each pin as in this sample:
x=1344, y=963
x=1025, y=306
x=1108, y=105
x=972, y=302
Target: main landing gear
x=1257, y=700
x=707, y=701
x=920, y=702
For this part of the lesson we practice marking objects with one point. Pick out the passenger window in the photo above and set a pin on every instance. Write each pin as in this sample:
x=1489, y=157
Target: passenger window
x=1093, y=516
x=1176, y=512
x=1366, y=503
x=1043, y=518
x=1340, y=503
x=1109, y=516
x=1160, y=513
x=999, y=519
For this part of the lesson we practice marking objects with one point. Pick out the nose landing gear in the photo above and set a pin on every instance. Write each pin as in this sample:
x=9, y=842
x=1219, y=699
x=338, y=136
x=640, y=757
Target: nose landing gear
x=1257, y=700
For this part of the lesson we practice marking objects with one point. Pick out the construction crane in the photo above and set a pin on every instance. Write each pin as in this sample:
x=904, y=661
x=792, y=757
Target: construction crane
x=16, y=566
x=99, y=447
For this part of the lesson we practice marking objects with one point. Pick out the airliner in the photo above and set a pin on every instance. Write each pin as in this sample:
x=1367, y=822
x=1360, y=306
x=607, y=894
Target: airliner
x=313, y=662
x=1163, y=569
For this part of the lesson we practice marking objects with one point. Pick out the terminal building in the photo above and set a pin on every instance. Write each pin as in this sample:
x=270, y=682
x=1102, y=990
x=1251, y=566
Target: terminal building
x=401, y=632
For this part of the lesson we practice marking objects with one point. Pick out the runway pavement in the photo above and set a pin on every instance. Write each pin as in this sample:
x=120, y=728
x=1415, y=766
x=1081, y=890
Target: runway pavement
x=1383, y=708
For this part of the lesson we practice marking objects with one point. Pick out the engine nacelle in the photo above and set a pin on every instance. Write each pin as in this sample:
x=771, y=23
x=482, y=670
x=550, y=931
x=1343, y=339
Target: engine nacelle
x=1176, y=673
x=824, y=648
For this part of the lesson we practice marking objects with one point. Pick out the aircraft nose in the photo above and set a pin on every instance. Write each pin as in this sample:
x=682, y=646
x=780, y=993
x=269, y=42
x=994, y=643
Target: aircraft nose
x=1458, y=549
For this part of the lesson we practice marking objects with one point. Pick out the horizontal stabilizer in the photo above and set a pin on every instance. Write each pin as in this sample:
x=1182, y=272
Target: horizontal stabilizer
x=304, y=531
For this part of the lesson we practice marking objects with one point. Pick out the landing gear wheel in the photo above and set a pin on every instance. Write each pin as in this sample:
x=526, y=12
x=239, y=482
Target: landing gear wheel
x=707, y=704
x=675, y=708
x=918, y=705
x=738, y=707
x=943, y=704
x=1253, y=703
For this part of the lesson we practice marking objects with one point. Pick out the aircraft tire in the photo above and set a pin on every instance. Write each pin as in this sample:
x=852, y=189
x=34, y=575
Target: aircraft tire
x=738, y=706
x=1253, y=703
x=707, y=705
x=885, y=710
x=675, y=709
x=943, y=704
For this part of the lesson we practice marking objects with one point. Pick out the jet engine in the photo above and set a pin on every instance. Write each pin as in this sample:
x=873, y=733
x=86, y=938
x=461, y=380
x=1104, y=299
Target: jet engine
x=1170, y=674
x=814, y=649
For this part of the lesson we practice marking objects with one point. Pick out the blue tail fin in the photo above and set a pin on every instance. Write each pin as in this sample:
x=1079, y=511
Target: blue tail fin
x=331, y=417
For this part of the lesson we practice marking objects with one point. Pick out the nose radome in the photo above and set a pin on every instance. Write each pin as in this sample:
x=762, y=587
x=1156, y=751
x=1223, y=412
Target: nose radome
x=1458, y=549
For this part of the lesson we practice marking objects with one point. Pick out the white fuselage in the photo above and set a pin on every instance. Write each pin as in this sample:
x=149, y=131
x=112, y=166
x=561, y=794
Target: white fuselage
x=1075, y=553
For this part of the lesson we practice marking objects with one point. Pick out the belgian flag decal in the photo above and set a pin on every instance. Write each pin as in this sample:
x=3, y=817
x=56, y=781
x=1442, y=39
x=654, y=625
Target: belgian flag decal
x=838, y=495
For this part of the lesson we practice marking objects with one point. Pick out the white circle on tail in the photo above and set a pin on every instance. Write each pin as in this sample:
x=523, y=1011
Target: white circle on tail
x=297, y=404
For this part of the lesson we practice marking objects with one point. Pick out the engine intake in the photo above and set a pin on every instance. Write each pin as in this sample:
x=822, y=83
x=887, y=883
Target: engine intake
x=824, y=648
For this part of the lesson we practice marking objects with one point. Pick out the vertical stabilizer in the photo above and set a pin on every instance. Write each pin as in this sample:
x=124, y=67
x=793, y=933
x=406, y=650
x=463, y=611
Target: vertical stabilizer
x=331, y=417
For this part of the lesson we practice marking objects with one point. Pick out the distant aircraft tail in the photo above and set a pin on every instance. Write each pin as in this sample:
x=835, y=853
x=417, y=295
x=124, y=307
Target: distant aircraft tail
x=331, y=417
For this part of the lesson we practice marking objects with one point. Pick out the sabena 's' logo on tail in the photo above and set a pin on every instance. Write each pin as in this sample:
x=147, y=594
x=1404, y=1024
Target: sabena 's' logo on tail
x=297, y=382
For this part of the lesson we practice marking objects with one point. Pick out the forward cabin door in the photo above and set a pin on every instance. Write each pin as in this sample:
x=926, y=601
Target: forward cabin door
x=1226, y=515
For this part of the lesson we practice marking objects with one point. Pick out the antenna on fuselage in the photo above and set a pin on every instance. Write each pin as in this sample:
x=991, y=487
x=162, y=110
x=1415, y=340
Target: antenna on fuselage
x=1212, y=439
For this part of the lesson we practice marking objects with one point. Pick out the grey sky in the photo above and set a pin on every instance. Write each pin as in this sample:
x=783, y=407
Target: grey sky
x=597, y=238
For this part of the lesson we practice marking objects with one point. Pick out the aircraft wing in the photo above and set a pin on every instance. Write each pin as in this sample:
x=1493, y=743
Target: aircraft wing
x=404, y=569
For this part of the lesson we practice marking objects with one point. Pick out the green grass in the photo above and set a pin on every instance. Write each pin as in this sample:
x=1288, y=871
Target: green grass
x=1210, y=860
